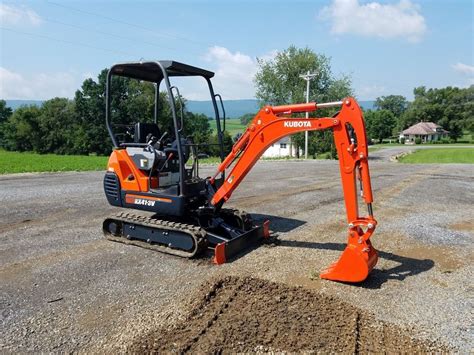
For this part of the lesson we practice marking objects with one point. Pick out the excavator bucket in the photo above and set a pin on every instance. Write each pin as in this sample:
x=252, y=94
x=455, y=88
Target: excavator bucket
x=355, y=263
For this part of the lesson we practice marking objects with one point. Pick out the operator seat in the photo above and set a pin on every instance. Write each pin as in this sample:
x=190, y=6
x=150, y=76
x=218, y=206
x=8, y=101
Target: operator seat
x=144, y=131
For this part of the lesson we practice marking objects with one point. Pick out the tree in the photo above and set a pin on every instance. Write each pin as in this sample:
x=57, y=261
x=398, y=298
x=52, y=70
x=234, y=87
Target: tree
x=396, y=104
x=22, y=130
x=57, y=127
x=379, y=124
x=455, y=130
x=214, y=149
x=245, y=119
x=5, y=113
x=131, y=101
x=278, y=82
x=90, y=111
x=46, y=129
x=450, y=107
x=197, y=127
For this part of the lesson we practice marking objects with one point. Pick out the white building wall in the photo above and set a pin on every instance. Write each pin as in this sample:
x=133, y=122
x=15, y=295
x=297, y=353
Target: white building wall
x=279, y=150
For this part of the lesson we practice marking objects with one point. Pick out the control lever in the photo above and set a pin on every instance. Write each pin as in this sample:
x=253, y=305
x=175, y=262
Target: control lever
x=152, y=141
x=162, y=137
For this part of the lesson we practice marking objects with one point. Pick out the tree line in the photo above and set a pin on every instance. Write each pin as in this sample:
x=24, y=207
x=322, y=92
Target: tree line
x=450, y=107
x=278, y=82
x=77, y=126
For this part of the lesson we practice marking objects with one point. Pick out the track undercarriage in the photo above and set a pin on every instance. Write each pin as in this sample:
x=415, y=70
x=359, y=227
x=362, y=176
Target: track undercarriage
x=226, y=234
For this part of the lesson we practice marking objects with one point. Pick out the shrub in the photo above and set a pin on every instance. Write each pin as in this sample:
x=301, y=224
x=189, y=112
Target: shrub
x=402, y=140
x=418, y=140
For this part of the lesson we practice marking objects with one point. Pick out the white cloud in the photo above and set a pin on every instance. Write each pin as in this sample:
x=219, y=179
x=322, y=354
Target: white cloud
x=466, y=72
x=464, y=68
x=18, y=15
x=374, y=19
x=234, y=72
x=41, y=86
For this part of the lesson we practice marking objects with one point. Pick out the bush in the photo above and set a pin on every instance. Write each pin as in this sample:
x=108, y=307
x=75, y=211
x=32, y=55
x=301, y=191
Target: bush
x=402, y=140
x=418, y=140
x=444, y=141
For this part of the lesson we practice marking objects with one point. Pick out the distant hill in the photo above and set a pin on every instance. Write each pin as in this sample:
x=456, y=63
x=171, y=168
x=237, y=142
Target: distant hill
x=237, y=108
x=233, y=108
x=14, y=104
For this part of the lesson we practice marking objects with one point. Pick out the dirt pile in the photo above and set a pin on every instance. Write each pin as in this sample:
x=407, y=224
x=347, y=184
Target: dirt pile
x=252, y=315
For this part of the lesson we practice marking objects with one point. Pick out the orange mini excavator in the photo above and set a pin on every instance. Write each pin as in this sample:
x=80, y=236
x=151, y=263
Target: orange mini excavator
x=156, y=169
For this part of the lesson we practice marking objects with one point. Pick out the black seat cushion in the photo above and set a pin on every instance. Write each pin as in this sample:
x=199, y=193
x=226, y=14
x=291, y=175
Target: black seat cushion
x=142, y=130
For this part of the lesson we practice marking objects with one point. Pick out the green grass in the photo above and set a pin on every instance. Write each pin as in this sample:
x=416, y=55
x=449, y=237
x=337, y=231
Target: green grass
x=210, y=160
x=232, y=125
x=440, y=156
x=15, y=162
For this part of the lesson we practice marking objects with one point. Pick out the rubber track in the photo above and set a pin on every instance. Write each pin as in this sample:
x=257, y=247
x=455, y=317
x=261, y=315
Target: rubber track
x=197, y=233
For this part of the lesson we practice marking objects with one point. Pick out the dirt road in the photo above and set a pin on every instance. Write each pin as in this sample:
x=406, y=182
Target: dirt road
x=64, y=288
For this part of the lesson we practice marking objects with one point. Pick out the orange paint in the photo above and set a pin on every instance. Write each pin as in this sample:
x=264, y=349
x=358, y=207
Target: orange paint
x=269, y=126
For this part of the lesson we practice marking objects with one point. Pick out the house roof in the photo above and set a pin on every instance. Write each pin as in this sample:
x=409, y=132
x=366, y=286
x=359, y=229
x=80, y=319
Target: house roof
x=424, y=128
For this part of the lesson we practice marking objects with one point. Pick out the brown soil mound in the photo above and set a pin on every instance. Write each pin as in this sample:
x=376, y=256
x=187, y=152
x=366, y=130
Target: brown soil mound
x=249, y=315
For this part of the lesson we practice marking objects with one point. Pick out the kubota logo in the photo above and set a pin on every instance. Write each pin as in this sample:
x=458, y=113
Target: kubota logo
x=296, y=124
x=141, y=201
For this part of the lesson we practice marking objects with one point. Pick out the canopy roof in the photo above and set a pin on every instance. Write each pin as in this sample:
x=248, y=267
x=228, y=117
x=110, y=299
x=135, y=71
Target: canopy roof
x=151, y=71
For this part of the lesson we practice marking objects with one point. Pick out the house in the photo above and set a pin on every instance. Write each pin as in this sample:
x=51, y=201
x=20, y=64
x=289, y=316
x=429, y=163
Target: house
x=281, y=149
x=426, y=131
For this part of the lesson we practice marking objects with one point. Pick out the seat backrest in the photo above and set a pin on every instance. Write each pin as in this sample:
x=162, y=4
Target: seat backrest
x=142, y=130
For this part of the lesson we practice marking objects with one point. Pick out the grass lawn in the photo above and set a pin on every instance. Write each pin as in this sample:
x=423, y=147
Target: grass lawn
x=440, y=156
x=15, y=162
x=210, y=160
x=232, y=125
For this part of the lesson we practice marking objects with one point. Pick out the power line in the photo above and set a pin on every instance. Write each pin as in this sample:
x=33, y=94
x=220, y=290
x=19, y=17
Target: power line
x=162, y=34
x=109, y=34
x=67, y=42
x=103, y=33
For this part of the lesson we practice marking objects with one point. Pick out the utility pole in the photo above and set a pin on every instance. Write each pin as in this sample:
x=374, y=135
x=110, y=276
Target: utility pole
x=308, y=77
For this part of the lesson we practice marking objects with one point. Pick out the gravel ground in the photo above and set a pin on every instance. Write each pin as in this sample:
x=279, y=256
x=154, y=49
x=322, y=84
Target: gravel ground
x=64, y=288
x=245, y=315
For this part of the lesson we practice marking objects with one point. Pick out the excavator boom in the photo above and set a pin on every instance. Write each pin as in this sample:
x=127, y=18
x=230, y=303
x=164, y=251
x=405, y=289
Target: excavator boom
x=273, y=123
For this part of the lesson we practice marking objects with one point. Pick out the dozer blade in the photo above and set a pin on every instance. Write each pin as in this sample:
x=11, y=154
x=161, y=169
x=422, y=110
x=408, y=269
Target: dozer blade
x=355, y=263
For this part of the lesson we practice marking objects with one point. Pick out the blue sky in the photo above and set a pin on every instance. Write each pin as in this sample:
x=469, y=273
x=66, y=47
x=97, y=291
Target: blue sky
x=388, y=47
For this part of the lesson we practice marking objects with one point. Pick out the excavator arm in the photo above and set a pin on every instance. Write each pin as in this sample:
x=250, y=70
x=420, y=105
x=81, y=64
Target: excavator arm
x=273, y=123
